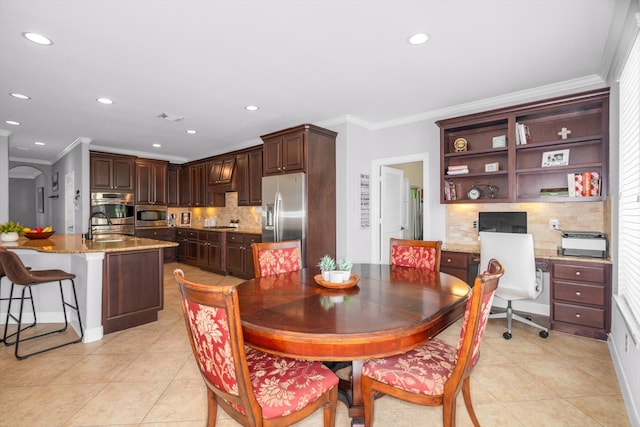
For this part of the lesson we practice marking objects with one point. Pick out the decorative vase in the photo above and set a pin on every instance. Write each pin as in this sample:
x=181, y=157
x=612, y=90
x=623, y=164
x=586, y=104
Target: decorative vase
x=326, y=276
x=9, y=237
x=336, y=276
x=346, y=275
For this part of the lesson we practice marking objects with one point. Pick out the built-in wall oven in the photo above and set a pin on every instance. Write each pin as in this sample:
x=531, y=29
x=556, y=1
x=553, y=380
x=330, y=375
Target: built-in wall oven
x=151, y=216
x=120, y=208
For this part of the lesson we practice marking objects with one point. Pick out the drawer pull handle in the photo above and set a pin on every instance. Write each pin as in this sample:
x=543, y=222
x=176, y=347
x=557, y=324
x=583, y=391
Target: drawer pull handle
x=577, y=273
x=578, y=293
x=578, y=315
x=448, y=259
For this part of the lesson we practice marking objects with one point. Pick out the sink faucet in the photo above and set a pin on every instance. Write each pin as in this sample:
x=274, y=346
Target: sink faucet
x=89, y=235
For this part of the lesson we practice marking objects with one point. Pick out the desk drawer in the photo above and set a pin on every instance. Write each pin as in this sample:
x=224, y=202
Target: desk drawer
x=579, y=292
x=578, y=315
x=454, y=260
x=593, y=274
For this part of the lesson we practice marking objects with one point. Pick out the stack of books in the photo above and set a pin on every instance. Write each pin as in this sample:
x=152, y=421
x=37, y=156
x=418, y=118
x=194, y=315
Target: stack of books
x=457, y=170
x=554, y=192
x=523, y=134
x=450, y=191
x=585, y=184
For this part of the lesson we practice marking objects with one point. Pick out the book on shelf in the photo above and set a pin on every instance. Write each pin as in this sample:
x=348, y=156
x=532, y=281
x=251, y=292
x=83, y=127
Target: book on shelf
x=554, y=192
x=450, y=190
x=584, y=184
x=523, y=134
x=457, y=170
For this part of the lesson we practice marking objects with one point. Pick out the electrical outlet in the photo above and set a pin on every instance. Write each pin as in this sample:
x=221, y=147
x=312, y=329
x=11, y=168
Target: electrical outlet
x=554, y=224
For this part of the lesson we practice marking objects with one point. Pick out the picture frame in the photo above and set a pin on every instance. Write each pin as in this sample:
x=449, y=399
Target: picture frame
x=492, y=167
x=499, y=141
x=555, y=158
x=185, y=218
x=40, y=199
x=54, y=182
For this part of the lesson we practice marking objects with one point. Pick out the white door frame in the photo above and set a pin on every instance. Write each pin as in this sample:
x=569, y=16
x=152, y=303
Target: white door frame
x=376, y=185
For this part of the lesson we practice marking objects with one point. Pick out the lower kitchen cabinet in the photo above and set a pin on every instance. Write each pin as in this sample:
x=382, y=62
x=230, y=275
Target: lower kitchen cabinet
x=239, y=255
x=161, y=233
x=581, y=298
x=210, y=251
x=187, y=250
x=132, y=290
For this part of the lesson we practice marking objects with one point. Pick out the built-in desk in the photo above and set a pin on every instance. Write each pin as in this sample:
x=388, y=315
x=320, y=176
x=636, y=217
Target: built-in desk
x=578, y=297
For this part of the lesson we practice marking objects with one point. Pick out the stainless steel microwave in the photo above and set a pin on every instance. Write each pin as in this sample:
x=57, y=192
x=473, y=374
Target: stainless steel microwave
x=151, y=216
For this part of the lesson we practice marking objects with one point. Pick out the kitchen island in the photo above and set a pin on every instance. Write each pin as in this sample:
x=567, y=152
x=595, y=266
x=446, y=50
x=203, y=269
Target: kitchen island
x=119, y=279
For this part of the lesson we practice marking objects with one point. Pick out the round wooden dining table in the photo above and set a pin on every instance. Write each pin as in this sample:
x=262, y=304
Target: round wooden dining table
x=391, y=310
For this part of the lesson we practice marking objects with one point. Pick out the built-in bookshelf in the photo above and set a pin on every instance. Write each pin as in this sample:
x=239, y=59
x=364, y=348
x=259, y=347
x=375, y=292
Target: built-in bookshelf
x=528, y=152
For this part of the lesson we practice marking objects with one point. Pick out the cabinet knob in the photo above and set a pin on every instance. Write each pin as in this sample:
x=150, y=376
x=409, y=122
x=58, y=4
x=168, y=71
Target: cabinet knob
x=448, y=259
x=577, y=315
x=578, y=293
x=577, y=273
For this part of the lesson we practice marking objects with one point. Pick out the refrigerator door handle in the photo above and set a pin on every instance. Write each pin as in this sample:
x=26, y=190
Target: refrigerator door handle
x=276, y=217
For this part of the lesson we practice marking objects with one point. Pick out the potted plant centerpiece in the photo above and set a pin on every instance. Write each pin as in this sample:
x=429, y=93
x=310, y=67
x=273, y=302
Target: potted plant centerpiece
x=326, y=266
x=10, y=231
x=344, y=265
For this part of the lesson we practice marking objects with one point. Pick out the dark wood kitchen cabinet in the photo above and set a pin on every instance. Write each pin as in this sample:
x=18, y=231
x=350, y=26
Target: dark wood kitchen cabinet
x=239, y=255
x=197, y=184
x=455, y=264
x=249, y=178
x=187, y=250
x=161, y=233
x=132, y=288
x=111, y=172
x=210, y=246
x=221, y=170
x=290, y=150
x=151, y=182
x=173, y=185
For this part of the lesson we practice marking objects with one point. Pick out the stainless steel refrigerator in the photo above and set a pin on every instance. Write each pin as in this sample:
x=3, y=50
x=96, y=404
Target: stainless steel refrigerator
x=284, y=209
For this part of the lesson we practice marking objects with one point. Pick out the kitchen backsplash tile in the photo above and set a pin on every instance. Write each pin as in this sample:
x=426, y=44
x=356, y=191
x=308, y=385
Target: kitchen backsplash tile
x=250, y=216
x=582, y=216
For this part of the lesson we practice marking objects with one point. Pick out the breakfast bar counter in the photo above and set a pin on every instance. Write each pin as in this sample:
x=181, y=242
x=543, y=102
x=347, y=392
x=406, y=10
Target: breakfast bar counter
x=119, y=279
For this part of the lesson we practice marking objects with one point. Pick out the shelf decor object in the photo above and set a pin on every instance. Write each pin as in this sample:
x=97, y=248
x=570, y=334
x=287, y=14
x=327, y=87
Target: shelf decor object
x=538, y=138
x=555, y=158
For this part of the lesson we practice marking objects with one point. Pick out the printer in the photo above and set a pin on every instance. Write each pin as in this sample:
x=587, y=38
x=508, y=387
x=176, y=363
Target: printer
x=584, y=243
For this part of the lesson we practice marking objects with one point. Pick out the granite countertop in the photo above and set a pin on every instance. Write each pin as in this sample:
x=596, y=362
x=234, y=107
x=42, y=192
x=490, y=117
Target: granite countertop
x=540, y=253
x=74, y=243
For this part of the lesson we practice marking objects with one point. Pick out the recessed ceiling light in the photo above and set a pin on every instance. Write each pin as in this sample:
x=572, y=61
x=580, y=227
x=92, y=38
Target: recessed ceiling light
x=19, y=95
x=419, y=38
x=37, y=38
x=12, y=122
x=251, y=108
x=191, y=131
x=104, y=101
x=156, y=145
x=39, y=143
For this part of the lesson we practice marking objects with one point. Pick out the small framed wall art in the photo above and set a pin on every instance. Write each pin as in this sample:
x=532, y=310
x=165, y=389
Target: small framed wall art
x=499, y=141
x=492, y=167
x=185, y=219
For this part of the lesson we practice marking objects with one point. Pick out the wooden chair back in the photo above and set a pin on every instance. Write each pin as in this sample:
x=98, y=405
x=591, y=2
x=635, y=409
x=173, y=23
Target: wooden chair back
x=415, y=253
x=271, y=258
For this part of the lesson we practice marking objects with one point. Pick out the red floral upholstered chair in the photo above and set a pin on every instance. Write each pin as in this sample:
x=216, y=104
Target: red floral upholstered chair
x=416, y=253
x=434, y=374
x=255, y=388
x=271, y=258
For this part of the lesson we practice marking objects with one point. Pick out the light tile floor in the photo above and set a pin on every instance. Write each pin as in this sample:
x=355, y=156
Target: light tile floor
x=146, y=376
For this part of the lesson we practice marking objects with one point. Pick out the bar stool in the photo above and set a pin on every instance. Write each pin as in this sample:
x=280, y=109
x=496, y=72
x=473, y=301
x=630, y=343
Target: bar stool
x=18, y=274
x=30, y=297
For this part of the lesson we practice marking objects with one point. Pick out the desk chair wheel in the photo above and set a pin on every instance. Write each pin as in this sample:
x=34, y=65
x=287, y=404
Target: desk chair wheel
x=544, y=334
x=506, y=335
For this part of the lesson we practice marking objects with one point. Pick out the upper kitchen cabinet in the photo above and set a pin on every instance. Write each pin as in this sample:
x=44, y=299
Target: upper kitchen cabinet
x=151, y=182
x=173, y=185
x=110, y=172
x=551, y=150
x=249, y=177
x=221, y=170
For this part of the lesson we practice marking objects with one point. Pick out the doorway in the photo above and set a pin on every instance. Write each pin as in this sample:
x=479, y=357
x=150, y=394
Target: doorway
x=25, y=204
x=415, y=165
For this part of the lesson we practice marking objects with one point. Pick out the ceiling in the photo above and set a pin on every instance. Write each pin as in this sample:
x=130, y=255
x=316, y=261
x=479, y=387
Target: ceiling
x=299, y=61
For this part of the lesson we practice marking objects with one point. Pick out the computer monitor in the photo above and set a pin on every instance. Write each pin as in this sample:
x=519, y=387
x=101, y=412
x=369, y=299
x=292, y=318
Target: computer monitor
x=502, y=222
